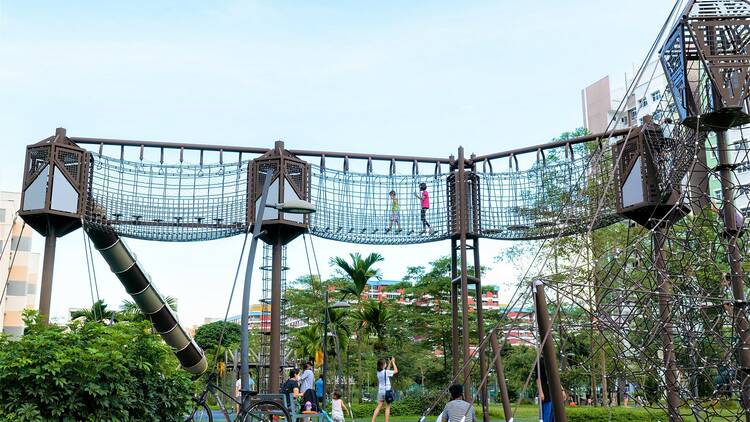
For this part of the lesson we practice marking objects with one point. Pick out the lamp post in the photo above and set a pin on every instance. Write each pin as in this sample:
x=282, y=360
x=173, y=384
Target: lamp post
x=336, y=305
x=292, y=207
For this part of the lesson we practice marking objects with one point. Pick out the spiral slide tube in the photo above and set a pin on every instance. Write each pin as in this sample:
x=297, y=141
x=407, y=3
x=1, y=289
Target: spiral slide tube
x=123, y=263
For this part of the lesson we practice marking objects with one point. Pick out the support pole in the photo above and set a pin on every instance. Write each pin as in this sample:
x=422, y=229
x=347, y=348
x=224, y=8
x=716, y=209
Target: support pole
x=549, y=353
x=480, y=332
x=48, y=268
x=737, y=276
x=455, y=351
x=500, y=372
x=462, y=212
x=245, y=312
x=665, y=315
x=325, y=345
x=274, y=369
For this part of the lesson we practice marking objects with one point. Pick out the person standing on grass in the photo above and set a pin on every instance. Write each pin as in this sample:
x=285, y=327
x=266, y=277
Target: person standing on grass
x=238, y=391
x=306, y=379
x=319, y=384
x=545, y=398
x=337, y=408
x=384, y=375
x=458, y=410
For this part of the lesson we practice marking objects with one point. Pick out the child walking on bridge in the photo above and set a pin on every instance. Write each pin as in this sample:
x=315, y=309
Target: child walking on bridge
x=395, y=217
x=424, y=197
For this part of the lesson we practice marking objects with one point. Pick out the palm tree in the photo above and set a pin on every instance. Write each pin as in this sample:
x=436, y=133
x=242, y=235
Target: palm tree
x=98, y=312
x=373, y=319
x=359, y=272
x=308, y=341
x=129, y=310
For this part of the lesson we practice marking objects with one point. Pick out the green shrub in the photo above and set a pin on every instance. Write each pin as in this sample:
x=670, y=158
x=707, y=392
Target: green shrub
x=90, y=371
x=616, y=414
x=408, y=405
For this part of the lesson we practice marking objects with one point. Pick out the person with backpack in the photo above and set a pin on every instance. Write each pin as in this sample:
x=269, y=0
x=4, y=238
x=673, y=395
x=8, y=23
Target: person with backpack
x=386, y=395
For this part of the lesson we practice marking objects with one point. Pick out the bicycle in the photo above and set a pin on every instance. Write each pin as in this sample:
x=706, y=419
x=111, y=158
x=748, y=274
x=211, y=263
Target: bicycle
x=260, y=410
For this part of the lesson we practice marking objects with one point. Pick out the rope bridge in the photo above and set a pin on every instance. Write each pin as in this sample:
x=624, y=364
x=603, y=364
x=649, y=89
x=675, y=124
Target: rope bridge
x=192, y=202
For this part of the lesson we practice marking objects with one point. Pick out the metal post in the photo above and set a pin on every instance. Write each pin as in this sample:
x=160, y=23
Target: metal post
x=274, y=369
x=462, y=212
x=325, y=346
x=737, y=277
x=48, y=267
x=245, y=312
x=480, y=332
x=500, y=372
x=665, y=314
x=455, y=352
x=549, y=353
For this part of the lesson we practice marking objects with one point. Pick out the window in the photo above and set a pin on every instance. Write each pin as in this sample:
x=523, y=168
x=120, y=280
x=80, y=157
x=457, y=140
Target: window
x=16, y=288
x=31, y=288
x=743, y=167
x=632, y=114
x=623, y=120
x=23, y=245
x=655, y=96
x=717, y=194
x=2, y=215
x=643, y=102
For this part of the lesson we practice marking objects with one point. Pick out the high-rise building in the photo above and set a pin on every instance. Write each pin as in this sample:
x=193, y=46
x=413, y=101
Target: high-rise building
x=19, y=266
x=600, y=102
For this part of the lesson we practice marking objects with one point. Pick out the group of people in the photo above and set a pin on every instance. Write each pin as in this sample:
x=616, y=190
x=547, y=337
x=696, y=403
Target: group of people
x=303, y=387
x=424, y=201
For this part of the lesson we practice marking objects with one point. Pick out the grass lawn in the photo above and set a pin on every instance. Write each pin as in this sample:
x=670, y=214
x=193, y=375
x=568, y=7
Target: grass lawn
x=525, y=413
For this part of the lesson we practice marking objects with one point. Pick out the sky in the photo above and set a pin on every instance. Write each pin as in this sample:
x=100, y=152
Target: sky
x=391, y=77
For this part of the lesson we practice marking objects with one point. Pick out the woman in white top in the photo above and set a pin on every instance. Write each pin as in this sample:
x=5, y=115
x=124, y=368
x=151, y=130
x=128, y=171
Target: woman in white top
x=384, y=384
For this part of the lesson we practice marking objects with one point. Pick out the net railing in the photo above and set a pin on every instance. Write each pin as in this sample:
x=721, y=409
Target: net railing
x=176, y=203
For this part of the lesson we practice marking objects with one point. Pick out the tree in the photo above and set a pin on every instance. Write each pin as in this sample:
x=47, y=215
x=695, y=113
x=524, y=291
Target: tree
x=308, y=341
x=359, y=272
x=207, y=336
x=374, y=318
x=130, y=311
x=97, y=313
x=90, y=371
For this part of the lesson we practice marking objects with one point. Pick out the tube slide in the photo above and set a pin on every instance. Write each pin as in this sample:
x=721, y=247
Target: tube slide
x=123, y=263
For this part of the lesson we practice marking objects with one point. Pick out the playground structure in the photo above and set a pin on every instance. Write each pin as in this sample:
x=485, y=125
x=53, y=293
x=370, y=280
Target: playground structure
x=654, y=175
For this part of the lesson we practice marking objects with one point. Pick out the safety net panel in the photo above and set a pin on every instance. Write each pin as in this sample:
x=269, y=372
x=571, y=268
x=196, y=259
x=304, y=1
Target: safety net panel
x=165, y=202
x=357, y=207
x=555, y=196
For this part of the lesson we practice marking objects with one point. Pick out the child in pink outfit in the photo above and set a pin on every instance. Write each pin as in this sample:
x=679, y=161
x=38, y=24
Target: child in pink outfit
x=424, y=197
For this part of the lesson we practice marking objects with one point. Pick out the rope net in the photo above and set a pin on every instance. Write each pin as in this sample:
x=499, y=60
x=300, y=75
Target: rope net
x=172, y=203
x=556, y=195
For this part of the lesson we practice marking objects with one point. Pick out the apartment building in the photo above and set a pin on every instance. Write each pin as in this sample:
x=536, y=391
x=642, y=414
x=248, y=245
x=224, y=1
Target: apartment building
x=600, y=102
x=19, y=266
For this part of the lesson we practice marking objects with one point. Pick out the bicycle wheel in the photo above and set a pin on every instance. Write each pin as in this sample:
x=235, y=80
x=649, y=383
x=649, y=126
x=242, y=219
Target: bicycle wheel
x=200, y=413
x=266, y=411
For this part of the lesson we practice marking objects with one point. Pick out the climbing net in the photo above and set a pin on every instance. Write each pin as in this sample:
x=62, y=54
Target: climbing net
x=616, y=317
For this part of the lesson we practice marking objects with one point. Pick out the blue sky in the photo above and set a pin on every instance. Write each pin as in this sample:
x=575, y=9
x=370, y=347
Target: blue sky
x=388, y=77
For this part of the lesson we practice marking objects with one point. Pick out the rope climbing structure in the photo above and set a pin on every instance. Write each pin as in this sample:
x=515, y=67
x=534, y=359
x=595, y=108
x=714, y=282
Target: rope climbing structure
x=657, y=316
